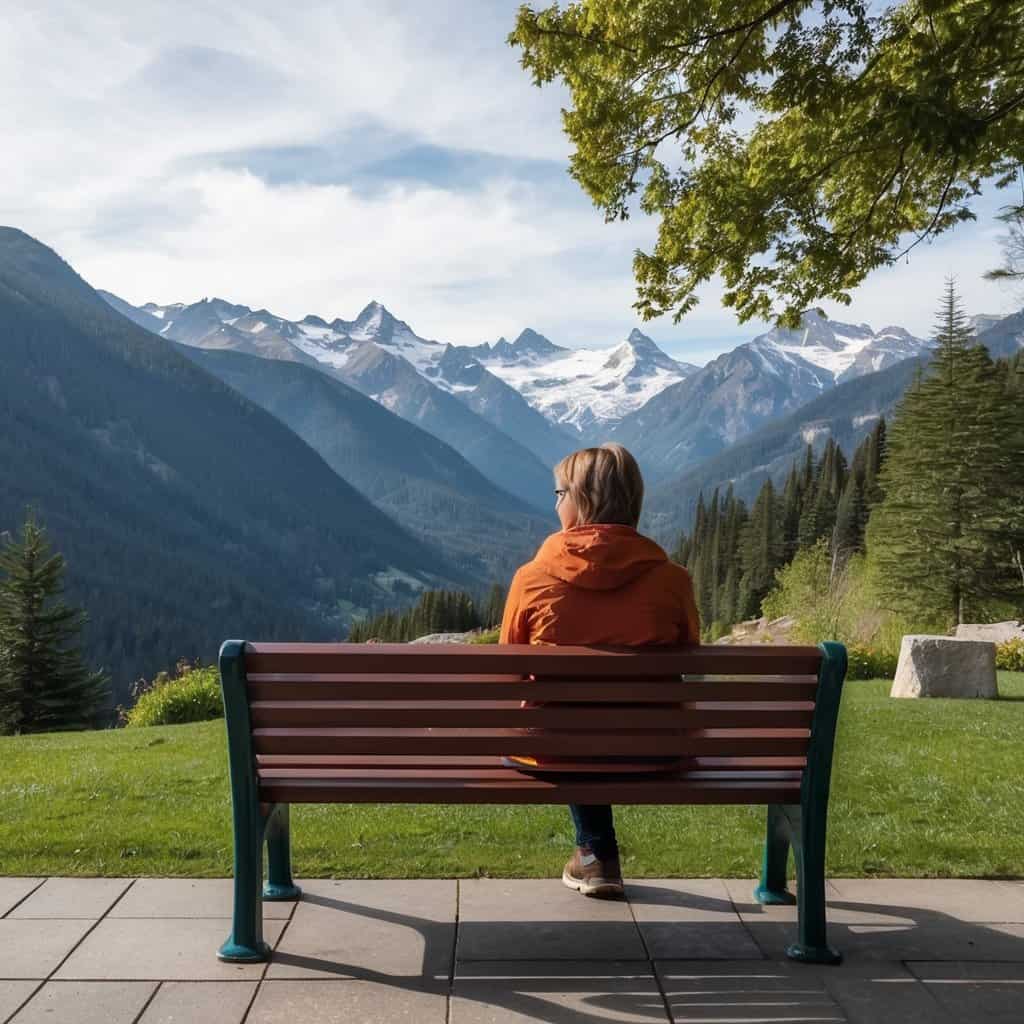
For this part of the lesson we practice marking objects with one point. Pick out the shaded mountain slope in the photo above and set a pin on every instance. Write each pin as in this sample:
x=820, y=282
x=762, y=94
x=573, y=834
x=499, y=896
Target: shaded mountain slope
x=847, y=413
x=187, y=513
x=419, y=480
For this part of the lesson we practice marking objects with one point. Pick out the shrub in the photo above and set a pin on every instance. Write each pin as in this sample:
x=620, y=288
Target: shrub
x=870, y=663
x=819, y=592
x=1010, y=656
x=485, y=636
x=191, y=696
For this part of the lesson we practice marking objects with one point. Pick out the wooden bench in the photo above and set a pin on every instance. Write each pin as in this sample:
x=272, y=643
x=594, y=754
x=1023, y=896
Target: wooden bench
x=403, y=723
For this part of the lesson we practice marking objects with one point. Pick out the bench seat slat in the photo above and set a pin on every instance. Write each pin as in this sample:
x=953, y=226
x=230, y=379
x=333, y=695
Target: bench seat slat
x=592, y=662
x=269, y=775
x=469, y=762
x=509, y=714
x=530, y=791
x=277, y=687
x=571, y=743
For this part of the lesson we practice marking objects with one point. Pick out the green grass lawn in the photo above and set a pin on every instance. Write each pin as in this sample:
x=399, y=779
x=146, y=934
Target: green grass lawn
x=920, y=788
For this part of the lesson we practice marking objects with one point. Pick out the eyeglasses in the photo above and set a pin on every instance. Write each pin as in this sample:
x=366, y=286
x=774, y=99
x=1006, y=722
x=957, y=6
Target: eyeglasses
x=559, y=495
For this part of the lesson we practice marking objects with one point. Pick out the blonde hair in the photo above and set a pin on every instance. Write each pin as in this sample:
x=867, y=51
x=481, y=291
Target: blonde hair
x=605, y=483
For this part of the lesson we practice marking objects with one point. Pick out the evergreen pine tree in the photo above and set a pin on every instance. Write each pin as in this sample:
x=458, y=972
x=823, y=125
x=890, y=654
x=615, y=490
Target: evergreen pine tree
x=848, y=533
x=791, y=514
x=941, y=536
x=876, y=453
x=762, y=551
x=494, y=607
x=44, y=684
x=807, y=471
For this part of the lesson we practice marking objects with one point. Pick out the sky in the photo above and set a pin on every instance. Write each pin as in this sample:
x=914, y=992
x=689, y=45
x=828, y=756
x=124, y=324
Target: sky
x=307, y=158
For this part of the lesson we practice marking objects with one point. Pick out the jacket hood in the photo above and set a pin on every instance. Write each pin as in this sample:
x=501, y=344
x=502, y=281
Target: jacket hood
x=598, y=556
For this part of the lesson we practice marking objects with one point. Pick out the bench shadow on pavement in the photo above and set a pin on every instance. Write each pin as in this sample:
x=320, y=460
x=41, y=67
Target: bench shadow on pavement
x=564, y=989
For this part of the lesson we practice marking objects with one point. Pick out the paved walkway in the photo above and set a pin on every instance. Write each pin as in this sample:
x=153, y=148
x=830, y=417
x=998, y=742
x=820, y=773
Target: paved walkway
x=118, y=951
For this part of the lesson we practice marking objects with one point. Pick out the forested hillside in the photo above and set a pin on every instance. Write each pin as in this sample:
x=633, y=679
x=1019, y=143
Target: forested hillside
x=422, y=482
x=186, y=513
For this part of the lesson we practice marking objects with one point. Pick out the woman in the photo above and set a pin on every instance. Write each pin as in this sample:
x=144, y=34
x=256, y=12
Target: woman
x=598, y=581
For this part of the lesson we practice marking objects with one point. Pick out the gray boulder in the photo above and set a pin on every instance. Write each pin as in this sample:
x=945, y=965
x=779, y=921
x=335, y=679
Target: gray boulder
x=994, y=632
x=945, y=666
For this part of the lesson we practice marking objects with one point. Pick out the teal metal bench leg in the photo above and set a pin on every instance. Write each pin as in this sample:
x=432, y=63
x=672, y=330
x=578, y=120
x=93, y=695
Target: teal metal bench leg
x=245, y=944
x=809, y=852
x=772, y=890
x=279, y=858
x=809, y=822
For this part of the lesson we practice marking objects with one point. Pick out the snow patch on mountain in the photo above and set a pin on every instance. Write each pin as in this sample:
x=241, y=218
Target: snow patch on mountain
x=583, y=388
x=579, y=388
x=842, y=350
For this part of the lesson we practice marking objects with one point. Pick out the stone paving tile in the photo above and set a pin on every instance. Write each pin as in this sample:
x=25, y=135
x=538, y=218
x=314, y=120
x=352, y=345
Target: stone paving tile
x=13, y=994
x=965, y=899
x=745, y=992
x=200, y=1002
x=878, y=993
x=14, y=890
x=159, y=949
x=72, y=897
x=839, y=911
x=338, y=1001
x=188, y=897
x=879, y=942
x=689, y=920
x=520, y=991
x=990, y=992
x=540, y=919
x=404, y=929
x=86, y=1002
x=33, y=949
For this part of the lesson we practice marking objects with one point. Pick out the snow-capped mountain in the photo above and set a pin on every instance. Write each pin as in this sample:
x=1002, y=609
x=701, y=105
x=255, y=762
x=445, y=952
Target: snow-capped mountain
x=543, y=395
x=514, y=408
x=578, y=389
x=844, y=350
x=741, y=390
x=382, y=357
x=585, y=389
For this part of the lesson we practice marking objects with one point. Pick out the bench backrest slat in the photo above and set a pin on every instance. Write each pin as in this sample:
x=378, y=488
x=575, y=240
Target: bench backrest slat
x=464, y=701
x=549, y=743
x=404, y=688
x=522, y=659
x=510, y=715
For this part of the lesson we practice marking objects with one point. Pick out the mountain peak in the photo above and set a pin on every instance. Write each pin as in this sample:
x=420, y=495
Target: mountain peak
x=530, y=341
x=644, y=350
x=374, y=322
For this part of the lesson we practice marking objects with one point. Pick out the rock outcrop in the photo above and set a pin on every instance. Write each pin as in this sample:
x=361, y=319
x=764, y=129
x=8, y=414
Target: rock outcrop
x=945, y=666
x=993, y=632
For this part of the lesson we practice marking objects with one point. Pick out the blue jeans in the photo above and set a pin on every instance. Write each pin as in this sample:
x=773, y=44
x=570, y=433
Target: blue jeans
x=595, y=829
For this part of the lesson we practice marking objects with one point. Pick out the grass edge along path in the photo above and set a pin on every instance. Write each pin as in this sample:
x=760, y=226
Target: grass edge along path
x=921, y=788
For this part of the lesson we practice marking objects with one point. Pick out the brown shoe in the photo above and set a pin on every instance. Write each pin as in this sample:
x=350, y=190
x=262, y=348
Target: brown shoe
x=593, y=877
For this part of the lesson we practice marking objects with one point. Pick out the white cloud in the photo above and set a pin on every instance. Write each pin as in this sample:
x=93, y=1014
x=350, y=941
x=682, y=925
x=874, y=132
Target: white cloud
x=120, y=119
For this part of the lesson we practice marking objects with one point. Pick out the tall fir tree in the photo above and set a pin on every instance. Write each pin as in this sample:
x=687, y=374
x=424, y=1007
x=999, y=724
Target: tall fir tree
x=848, y=533
x=494, y=606
x=44, y=684
x=876, y=453
x=941, y=536
x=761, y=551
x=791, y=503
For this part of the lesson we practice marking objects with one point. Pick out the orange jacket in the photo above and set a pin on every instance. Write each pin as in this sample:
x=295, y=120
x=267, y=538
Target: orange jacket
x=600, y=584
